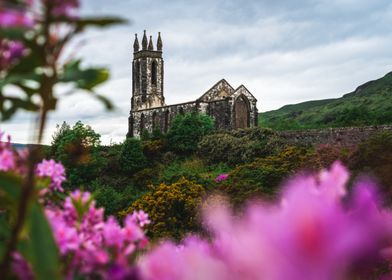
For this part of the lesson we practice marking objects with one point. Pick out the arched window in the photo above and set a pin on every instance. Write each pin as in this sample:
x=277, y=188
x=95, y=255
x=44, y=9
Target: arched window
x=155, y=121
x=141, y=124
x=181, y=111
x=154, y=73
x=137, y=74
x=166, y=128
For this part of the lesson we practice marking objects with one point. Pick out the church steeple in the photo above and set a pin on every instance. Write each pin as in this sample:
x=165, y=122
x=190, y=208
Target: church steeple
x=136, y=45
x=150, y=45
x=159, y=42
x=144, y=41
x=147, y=73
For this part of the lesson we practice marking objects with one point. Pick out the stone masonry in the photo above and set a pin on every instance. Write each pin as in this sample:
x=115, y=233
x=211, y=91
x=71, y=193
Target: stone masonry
x=230, y=108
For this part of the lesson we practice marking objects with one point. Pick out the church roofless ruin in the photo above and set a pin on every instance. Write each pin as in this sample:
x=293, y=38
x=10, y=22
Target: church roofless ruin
x=230, y=108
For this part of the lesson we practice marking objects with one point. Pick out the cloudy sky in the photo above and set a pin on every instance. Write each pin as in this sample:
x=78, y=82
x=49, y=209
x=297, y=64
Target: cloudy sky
x=283, y=51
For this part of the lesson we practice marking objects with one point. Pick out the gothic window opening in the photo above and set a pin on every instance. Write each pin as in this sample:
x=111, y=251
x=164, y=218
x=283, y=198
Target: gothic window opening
x=181, y=111
x=242, y=112
x=155, y=121
x=137, y=74
x=166, y=128
x=154, y=73
x=141, y=123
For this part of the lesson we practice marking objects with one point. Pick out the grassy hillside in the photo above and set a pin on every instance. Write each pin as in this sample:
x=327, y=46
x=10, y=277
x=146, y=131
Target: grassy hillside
x=369, y=104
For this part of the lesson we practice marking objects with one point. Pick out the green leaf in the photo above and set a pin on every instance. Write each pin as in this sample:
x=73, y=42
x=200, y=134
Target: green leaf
x=108, y=104
x=10, y=185
x=97, y=22
x=86, y=79
x=42, y=251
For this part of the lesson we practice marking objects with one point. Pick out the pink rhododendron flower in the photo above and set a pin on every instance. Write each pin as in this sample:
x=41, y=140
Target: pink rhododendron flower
x=63, y=8
x=55, y=171
x=315, y=232
x=10, y=53
x=7, y=161
x=221, y=177
x=14, y=18
x=91, y=243
x=140, y=217
x=7, y=156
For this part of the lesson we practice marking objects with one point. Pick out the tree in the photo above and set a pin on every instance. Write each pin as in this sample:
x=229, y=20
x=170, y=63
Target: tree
x=132, y=158
x=187, y=130
x=77, y=148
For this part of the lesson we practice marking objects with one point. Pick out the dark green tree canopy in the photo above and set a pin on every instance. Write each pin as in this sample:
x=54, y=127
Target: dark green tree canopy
x=187, y=130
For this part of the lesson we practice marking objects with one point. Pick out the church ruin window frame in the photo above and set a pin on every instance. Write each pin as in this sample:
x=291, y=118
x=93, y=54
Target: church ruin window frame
x=154, y=73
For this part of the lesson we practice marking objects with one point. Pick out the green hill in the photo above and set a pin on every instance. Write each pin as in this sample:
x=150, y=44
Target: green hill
x=369, y=104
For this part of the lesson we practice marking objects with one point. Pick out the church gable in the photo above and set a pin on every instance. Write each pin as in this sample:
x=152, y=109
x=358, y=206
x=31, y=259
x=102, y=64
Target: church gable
x=219, y=91
x=242, y=90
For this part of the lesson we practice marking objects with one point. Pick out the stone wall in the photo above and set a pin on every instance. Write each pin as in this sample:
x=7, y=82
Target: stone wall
x=347, y=136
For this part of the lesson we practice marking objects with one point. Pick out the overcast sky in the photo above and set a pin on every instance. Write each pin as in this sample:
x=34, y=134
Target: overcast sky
x=283, y=51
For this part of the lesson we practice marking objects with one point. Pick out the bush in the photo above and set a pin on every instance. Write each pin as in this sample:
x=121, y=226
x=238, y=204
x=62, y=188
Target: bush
x=187, y=130
x=238, y=147
x=173, y=209
x=132, y=158
x=262, y=177
x=374, y=157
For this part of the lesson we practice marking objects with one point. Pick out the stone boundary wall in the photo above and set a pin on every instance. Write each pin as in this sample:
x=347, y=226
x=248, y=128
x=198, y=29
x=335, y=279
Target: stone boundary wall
x=346, y=136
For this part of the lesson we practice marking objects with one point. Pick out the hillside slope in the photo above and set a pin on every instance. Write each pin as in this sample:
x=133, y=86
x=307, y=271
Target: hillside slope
x=369, y=104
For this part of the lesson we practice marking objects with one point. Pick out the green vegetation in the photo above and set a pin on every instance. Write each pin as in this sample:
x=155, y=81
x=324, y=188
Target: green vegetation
x=369, y=104
x=169, y=184
x=187, y=130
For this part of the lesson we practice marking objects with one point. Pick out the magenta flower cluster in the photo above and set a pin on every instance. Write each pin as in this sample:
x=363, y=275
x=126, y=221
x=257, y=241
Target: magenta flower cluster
x=7, y=159
x=89, y=244
x=10, y=53
x=10, y=18
x=221, y=177
x=315, y=232
x=53, y=170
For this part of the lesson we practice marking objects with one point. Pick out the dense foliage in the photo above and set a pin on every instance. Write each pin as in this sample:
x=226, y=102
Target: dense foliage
x=187, y=130
x=173, y=208
x=369, y=104
x=77, y=148
x=132, y=158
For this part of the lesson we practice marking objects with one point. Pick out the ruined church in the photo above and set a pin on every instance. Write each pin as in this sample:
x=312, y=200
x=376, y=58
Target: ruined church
x=230, y=108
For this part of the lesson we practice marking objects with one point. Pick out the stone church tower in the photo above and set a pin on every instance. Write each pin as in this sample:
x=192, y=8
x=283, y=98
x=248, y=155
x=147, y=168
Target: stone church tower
x=147, y=71
x=231, y=108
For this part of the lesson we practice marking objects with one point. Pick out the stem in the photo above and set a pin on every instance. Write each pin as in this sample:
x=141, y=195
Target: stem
x=46, y=93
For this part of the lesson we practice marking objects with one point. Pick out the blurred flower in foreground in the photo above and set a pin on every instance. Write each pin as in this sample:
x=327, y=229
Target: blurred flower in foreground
x=10, y=53
x=55, y=171
x=14, y=18
x=315, y=232
x=91, y=245
x=221, y=177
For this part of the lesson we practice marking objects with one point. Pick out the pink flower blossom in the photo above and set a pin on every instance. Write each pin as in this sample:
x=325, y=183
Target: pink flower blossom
x=315, y=232
x=15, y=18
x=141, y=218
x=7, y=161
x=55, y=171
x=221, y=177
x=63, y=8
x=90, y=243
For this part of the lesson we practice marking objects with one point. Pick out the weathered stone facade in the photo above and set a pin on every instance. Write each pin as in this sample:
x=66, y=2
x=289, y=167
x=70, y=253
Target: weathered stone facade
x=230, y=108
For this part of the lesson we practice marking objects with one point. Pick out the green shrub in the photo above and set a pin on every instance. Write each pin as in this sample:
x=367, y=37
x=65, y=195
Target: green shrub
x=239, y=146
x=262, y=177
x=132, y=158
x=173, y=209
x=187, y=130
x=374, y=157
